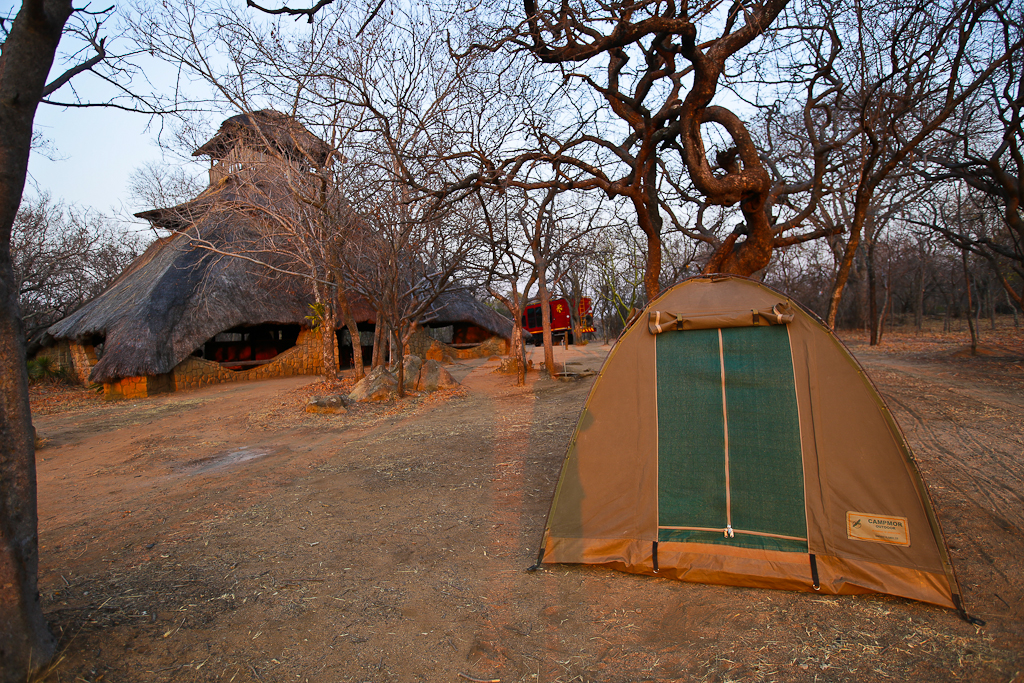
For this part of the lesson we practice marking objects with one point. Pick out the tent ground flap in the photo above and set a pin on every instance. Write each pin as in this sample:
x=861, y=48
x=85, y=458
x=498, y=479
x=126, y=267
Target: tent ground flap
x=751, y=568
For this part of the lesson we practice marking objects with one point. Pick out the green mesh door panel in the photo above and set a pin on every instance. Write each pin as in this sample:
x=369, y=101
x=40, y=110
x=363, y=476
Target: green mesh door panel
x=691, y=440
x=729, y=458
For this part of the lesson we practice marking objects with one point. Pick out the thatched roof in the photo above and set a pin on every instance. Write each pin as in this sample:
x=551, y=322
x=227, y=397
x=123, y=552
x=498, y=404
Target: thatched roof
x=457, y=306
x=171, y=300
x=179, y=294
x=259, y=128
x=176, y=296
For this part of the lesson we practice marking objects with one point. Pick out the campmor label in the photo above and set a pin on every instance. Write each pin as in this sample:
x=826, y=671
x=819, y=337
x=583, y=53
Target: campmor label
x=861, y=526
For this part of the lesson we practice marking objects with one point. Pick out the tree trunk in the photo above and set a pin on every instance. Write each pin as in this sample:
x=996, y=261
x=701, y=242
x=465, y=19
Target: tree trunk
x=649, y=219
x=754, y=252
x=919, y=300
x=859, y=216
x=378, y=343
x=991, y=298
x=25, y=641
x=879, y=325
x=327, y=333
x=514, y=304
x=396, y=342
x=517, y=347
x=1013, y=307
x=328, y=337
x=970, y=318
x=353, y=331
x=874, y=320
x=518, y=351
x=545, y=317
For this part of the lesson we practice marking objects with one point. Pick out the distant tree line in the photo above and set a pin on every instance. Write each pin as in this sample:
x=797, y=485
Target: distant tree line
x=63, y=257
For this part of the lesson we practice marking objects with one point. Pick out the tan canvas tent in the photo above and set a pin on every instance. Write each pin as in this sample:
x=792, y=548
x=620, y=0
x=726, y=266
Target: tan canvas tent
x=731, y=438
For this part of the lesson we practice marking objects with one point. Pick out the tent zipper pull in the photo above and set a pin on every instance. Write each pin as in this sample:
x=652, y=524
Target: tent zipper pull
x=729, y=532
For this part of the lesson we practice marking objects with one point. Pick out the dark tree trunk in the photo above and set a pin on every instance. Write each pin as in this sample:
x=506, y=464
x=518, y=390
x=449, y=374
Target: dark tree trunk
x=1013, y=307
x=873, y=317
x=919, y=300
x=353, y=331
x=970, y=318
x=991, y=291
x=399, y=351
x=25, y=640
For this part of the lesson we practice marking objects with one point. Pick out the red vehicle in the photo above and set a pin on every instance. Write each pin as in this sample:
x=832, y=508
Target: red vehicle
x=561, y=320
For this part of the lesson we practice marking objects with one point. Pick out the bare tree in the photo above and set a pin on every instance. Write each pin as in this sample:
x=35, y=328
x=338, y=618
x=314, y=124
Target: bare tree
x=532, y=238
x=985, y=150
x=156, y=184
x=507, y=275
x=659, y=83
x=397, y=110
x=30, y=43
x=283, y=210
x=64, y=257
x=912, y=67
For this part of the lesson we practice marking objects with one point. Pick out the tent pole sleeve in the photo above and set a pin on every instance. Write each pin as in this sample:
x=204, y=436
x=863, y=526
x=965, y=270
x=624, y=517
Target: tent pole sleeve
x=814, y=573
x=654, y=555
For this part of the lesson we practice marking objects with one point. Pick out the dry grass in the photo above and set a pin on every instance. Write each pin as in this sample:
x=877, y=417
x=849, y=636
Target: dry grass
x=1006, y=339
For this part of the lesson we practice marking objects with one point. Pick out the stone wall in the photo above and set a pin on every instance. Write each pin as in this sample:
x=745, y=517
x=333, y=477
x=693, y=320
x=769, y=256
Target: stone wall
x=74, y=358
x=83, y=358
x=138, y=387
x=426, y=347
x=60, y=357
x=495, y=346
x=305, y=358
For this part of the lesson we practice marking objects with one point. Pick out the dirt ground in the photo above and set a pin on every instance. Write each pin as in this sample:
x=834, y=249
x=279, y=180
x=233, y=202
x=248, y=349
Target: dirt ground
x=226, y=535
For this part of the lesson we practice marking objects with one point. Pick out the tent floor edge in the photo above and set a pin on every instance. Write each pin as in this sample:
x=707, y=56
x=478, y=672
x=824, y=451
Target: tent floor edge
x=962, y=611
x=753, y=568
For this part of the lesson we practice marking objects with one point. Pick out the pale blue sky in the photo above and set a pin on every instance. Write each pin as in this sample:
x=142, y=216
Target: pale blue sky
x=91, y=152
x=95, y=151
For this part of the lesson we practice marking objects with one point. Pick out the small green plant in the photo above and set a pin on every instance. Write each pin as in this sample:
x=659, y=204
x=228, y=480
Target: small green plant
x=40, y=368
x=316, y=318
x=43, y=368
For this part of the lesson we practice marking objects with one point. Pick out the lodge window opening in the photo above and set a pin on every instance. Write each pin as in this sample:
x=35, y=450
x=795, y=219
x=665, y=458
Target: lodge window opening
x=247, y=346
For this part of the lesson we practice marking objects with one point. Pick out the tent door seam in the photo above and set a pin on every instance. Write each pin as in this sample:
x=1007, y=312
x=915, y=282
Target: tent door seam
x=725, y=429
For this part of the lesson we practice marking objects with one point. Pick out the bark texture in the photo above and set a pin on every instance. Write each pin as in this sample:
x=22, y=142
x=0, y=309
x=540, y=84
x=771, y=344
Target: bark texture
x=25, y=641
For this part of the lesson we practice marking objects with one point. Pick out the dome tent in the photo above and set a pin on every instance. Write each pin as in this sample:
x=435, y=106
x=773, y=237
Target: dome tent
x=734, y=440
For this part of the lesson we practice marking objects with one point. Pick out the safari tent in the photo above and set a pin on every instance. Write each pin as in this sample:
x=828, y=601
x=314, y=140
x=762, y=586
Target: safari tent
x=732, y=439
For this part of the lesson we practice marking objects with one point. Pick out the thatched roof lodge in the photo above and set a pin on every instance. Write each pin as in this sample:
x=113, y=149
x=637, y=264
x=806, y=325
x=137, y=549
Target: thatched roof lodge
x=182, y=316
